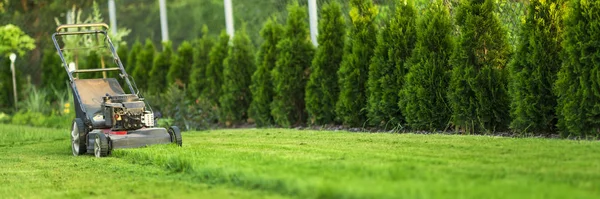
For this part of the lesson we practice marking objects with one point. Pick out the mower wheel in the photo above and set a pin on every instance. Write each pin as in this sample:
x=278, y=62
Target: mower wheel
x=175, y=134
x=78, y=138
x=100, y=145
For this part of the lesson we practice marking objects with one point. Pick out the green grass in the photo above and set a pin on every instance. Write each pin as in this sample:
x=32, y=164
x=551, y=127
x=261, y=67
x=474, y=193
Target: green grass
x=251, y=163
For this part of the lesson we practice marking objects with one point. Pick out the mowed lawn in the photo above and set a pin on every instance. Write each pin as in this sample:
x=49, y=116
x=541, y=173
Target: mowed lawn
x=284, y=163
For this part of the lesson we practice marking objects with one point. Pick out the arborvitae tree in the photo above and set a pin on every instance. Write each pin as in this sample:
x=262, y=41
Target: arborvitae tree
x=577, y=87
x=134, y=53
x=179, y=72
x=235, y=92
x=214, y=70
x=53, y=74
x=322, y=88
x=201, y=49
x=290, y=72
x=92, y=61
x=123, y=54
x=262, y=86
x=143, y=65
x=395, y=43
x=534, y=67
x=353, y=73
x=423, y=96
x=160, y=67
x=478, y=85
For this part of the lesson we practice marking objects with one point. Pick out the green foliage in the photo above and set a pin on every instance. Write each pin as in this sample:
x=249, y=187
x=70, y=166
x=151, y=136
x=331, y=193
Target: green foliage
x=185, y=113
x=92, y=61
x=322, y=88
x=143, y=65
x=290, y=73
x=123, y=53
x=201, y=59
x=179, y=72
x=214, y=70
x=158, y=81
x=423, y=97
x=262, y=85
x=478, y=85
x=235, y=92
x=134, y=53
x=359, y=49
x=395, y=43
x=7, y=102
x=534, y=67
x=53, y=74
x=577, y=88
x=14, y=40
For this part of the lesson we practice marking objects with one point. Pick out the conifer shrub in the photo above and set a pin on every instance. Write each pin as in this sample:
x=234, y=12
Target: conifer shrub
x=179, y=72
x=291, y=70
x=134, y=53
x=478, y=85
x=395, y=43
x=158, y=81
x=353, y=73
x=534, y=67
x=123, y=53
x=262, y=85
x=322, y=88
x=578, y=107
x=235, y=92
x=197, y=77
x=423, y=96
x=214, y=70
x=143, y=65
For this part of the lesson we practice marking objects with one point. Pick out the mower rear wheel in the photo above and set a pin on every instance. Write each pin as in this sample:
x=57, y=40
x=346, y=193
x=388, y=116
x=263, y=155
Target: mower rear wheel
x=78, y=146
x=175, y=134
x=100, y=145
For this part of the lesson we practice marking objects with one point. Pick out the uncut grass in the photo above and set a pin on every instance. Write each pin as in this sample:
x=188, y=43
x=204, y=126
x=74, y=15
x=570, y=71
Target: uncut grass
x=47, y=169
x=312, y=164
x=14, y=135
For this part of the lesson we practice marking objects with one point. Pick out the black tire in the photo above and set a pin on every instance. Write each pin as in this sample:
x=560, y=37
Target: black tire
x=78, y=137
x=100, y=145
x=175, y=134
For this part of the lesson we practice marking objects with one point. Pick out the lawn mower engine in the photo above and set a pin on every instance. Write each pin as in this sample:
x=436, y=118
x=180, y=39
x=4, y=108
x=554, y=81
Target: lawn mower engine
x=126, y=112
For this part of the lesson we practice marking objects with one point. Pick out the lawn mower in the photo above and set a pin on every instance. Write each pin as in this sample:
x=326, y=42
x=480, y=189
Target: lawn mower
x=106, y=117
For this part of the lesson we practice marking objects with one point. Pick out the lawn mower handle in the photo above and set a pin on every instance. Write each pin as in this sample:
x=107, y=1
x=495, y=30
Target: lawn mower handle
x=81, y=26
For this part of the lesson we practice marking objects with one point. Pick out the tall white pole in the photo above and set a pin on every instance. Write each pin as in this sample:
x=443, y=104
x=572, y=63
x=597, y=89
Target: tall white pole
x=229, y=18
x=12, y=58
x=163, y=20
x=112, y=14
x=312, y=12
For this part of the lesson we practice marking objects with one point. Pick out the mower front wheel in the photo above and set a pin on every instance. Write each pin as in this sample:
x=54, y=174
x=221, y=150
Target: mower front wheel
x=175, y=134
x=78, y=146
x=101, y=148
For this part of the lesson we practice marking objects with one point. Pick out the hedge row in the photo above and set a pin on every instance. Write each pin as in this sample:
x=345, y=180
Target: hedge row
x=418, y=70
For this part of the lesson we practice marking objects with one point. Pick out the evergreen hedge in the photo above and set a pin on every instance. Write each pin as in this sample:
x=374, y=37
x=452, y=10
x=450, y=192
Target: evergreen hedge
x=478, y=85
x=262, y=85
x=534, y=67
x=322, y=89
x=214, y=70
x=239, y=66
x=197, y=77
x=395, y=43
x=179, y=72
x=158, y=80
x=143, y=65
x=577, y=86
x=290, y=73
x=353, y=73
x=423, y=96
